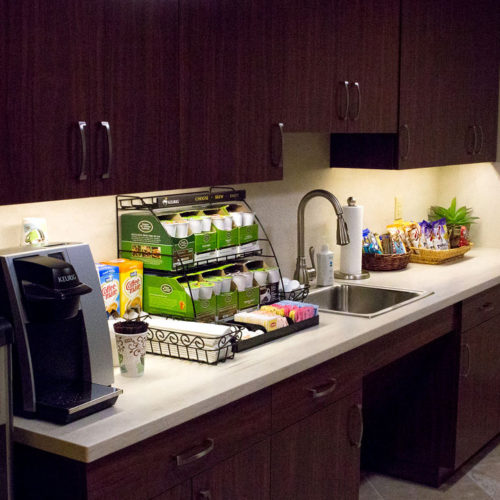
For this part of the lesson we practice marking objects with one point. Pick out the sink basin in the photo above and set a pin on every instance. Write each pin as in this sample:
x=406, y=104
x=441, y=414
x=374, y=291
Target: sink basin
x=362, y=300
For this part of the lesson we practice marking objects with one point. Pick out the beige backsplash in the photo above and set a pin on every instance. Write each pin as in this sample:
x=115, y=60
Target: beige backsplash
x=306, y=160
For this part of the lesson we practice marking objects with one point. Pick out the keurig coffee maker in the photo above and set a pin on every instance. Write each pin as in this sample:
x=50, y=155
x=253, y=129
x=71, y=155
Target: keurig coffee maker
x=63, y=367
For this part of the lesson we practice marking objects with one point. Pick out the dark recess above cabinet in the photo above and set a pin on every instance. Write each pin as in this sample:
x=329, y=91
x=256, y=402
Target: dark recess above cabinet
x=448, y=91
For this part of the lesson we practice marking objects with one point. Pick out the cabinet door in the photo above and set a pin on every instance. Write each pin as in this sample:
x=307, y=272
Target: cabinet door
x=433, y=71
x=318, y=457
x=305, y=73
x=242, y=477
x=478, y=418
x=47, y=100
x=228, y=133
x=368, y=53
x=180, y=492
x=135, y=120
x=482, y=37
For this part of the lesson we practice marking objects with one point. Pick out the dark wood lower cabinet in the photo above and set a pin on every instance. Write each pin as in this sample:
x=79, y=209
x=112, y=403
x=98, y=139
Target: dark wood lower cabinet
x=318, y=457
x=179, y=492
x=478, y=417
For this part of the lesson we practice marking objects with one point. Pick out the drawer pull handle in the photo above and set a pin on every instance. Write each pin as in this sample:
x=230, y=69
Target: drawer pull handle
x=83, y=152
x=488, y=307
x=187, y=457
x=324, y=390
x=205, y=494
x=355, y=427
x=109, y=158
x=466, y=356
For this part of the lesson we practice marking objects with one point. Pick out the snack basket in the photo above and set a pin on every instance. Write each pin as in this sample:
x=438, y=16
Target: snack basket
x=427, y=256
x=384, y=262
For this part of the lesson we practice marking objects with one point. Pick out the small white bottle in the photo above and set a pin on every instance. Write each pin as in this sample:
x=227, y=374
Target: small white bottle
x=324, y=267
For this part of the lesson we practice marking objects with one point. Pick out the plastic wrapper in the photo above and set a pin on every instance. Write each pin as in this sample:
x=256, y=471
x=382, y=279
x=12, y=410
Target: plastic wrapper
x=439, y=233
x=464, y=237
x=370, y=242
x=397, y=236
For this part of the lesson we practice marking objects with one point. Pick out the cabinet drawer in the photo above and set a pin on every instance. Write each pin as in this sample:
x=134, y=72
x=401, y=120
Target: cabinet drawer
x=152, y=466
x=480, y=307
x=299, y=396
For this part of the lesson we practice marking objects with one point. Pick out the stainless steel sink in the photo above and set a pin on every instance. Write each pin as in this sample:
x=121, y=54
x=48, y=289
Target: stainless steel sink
x=362, y=300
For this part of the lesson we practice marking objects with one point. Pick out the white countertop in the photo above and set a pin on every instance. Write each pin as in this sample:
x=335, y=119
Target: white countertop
x=173, y=391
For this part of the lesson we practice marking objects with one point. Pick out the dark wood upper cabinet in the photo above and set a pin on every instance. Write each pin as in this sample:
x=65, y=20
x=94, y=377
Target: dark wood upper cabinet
x=92, y=98
x=448, y=90
x=336, y=65
x=228, y=132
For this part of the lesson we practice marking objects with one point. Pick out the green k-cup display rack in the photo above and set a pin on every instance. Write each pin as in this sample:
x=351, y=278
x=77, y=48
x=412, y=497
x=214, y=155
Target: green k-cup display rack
x=195, y=237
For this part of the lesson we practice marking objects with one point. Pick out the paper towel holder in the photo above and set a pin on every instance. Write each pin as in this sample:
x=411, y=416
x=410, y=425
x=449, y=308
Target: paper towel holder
x=345, y=276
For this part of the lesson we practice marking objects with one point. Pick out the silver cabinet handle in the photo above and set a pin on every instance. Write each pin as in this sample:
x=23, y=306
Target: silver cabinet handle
x=321, y=392
x=205, y=494
x=479, y=149
x=406, y=129
x=187, y=457
x=345, y=114
x=277, y=145
x=358, y=107
x=355, y=432
x=107, y=173
x=83, y=152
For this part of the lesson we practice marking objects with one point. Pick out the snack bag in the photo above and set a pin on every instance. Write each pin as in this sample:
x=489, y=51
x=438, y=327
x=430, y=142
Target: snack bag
x=109, y=278
x=397, y=235
x=414, y=234
x=426, y=238
x=131, y=280
x=370, y=242
x=464, y=237
x=440, y=239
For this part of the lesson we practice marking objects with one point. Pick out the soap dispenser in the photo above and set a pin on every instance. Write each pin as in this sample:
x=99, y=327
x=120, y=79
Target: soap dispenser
x=324, y=267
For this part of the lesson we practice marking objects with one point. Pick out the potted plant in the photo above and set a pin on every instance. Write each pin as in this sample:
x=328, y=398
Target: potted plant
x=455, y=219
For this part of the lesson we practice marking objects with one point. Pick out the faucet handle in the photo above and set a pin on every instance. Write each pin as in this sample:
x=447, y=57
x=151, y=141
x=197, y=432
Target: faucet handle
x=311, y=271
x=312, y=256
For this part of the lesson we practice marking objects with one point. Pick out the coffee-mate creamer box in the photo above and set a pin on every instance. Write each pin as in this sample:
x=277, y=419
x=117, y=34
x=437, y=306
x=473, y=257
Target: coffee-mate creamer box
x=109, y=278
x=131, y=280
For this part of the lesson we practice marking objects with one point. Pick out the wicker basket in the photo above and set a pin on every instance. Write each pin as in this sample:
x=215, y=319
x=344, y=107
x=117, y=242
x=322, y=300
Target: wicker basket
x=384, y=262
x=427, y=256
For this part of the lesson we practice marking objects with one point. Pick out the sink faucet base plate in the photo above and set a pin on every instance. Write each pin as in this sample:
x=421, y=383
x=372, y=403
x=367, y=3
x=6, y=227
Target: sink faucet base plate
x=363, y=275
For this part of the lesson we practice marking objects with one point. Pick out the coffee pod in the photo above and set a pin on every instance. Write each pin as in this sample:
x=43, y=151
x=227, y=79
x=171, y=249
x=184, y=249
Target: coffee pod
x=226, y=283
x=206, y=224
x=206, y=290
x=195, y=225
x=248, y=279
x=237, y=218
x=217, y=281
x=273, y=275
x=248, y=218
x=34, y=231
x=228, y=223
x=240, y=281
x=169, y=226
x=218, y=222
x=181, y=229
x=260, y=277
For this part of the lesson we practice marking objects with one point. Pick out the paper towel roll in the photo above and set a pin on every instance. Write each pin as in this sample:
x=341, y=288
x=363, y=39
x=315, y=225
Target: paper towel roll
x=350, y=255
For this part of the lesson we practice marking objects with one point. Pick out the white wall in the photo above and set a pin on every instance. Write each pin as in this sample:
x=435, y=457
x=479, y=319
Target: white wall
x=306, y=159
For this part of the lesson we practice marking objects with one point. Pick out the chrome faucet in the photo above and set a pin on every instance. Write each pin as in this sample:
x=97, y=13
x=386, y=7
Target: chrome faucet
x=302, y=273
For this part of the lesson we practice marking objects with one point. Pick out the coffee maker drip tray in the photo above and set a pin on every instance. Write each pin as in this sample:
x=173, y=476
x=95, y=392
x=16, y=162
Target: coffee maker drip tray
x=66, y=403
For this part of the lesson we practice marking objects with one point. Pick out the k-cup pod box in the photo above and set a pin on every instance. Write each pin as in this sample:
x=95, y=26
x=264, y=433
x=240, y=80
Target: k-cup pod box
x=248, y=229
x=109, y=278
x=248, y=290
x=164, y=242
x=131, y=283
x=227, y=233
x=265, y=277
x=227, y=298
x=171, y=295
